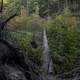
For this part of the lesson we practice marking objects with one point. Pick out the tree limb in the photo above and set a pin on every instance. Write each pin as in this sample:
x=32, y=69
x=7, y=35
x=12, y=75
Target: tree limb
x=2, y=24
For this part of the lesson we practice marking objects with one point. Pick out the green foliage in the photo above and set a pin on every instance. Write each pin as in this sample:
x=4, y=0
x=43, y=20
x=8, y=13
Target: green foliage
x=29, y=24
x=20, y=39
x=67, y=12
x=63, y=39
x=12, y=8
x=35, y=54
x=24, y=30
x=64, y=47
x=24, y=42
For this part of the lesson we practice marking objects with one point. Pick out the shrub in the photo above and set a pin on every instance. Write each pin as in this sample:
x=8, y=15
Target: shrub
x=64, y=47
x=35, y=54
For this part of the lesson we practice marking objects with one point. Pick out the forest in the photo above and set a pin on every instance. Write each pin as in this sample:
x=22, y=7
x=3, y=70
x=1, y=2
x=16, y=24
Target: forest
x=39, y=39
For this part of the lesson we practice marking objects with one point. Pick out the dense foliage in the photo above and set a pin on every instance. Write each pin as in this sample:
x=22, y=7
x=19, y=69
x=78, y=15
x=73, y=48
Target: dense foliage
x=59, y=19
x=22, y=32
x=42, y=7
x=65, y=47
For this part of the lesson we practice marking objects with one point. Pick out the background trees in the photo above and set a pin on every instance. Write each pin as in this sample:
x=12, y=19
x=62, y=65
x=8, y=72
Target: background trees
x=44, y=7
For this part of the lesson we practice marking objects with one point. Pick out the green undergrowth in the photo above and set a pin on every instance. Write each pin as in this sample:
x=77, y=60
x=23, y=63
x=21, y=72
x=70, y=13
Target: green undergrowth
x=65, y=47
x=23, y=41
x=24, y=30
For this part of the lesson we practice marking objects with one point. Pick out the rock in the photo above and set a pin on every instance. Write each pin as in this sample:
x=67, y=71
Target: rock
x=17, y=75
x=14, y=65
x=13, y=73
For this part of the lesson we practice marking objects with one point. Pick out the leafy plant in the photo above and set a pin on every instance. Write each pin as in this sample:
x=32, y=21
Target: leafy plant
x=64, y=47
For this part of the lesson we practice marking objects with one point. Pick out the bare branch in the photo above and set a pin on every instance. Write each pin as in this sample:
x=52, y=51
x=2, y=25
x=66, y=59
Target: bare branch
x=2, y=24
